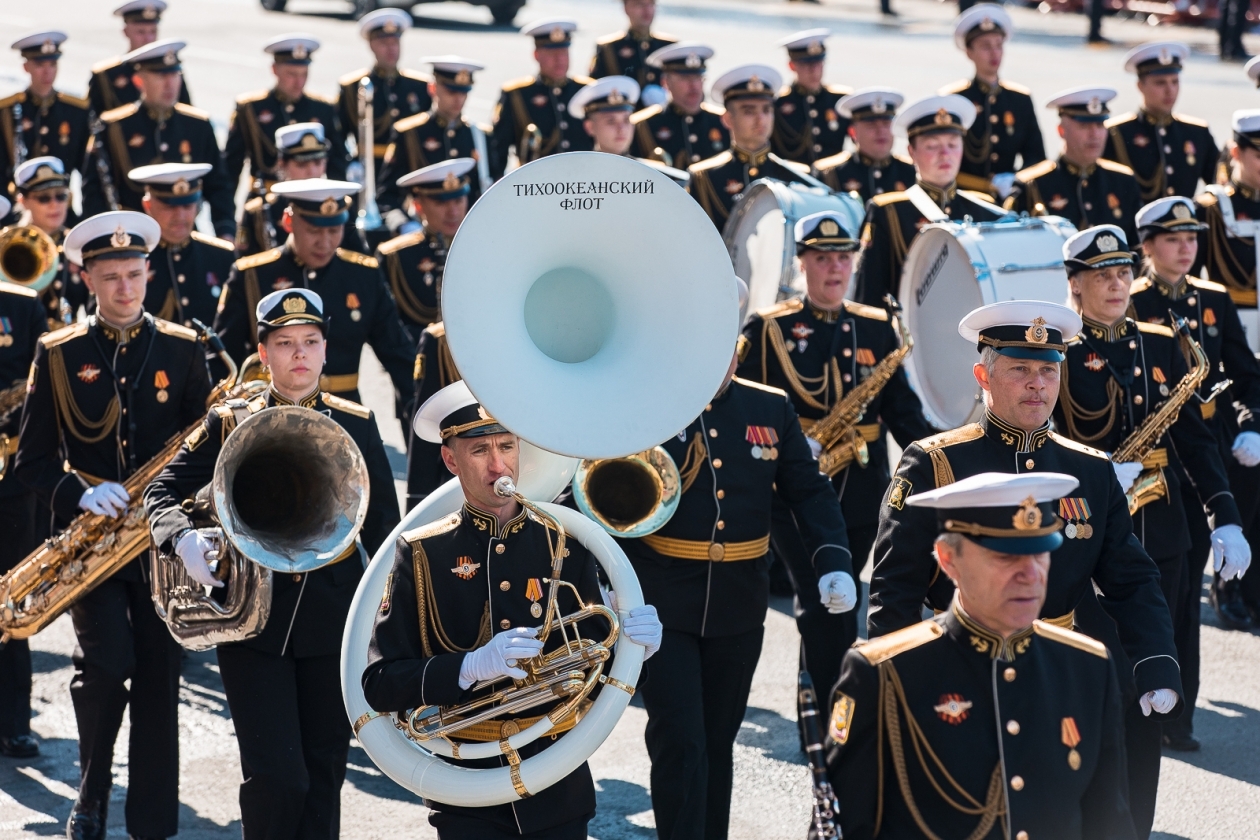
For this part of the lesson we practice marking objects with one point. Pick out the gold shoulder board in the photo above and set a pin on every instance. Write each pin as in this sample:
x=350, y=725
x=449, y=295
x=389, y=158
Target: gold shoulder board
x=107, y=64
x=190, y=111
x=400, y=242
x=357, y=258
x=20, y=291
x=212, y=241
x=67, y=99
x=1070, y=638
x=1207, y=285
x=254, y=204
x=875, y=313
x=437, y=329
x=715, y=110
x=253, y=96
x=1121, y=119
x=120, y=113
x=715, y=162
x=1014, y=88
x=408, y=123
x=1140, y=285
x=885, y=199
x=446, y=523
x=833, y=162
x=177, y=330
x=1189, y=120
x=1155, y=329
x=962, y=434
x=784, y=307
x=1079, y=447
x=348, y=406
x=1037, y=170
x=839, y=90
x=61, y=336
x=1112, y=166
x=352, y=78
x=413, y=75
x=645, y=114
x=767, y=388
x=907, y=638
x=517, y=84
x=260, y=259
x=955, y=87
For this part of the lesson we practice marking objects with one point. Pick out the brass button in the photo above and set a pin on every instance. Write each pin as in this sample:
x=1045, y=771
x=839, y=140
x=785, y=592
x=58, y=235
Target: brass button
x=717, y=463
x=721, y=525
x=846, y=352
x=1137, y=371
x=712, y=432
x=500, y=548
x=1009, y=675
x=1017, y=782
x=296, y=578
x=1023, y=835
x=1137, y=400
x=721, y=494
x=1012, y=726
x=505, y=624
x=1191, y=300
x=1194, y=325
x=709, y=407
x=505, y=586
x=1029, y=464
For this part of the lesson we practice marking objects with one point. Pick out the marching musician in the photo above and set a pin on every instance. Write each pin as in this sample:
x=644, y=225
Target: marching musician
x=997, y=724
x=22, y=320
x=105, y=396
x=283, y=685
x=604, y=107
x=1005, y=127
x=1168, y=153
x=188, y=269
x=1081, y=186
x=685, y=129
x=258, y=115
x=747, y=93
x=706, y=571
x=871, y=169
x=463, y=605
x=1169, y=232
x=43, y=190
x=625, y=53
x=1022, y=345
x=818, y=349
x=807, y=122
x=435, y=137
x=935, y=127
x=348, y=283
x=112, y=84
x=531, y=116
x=156, y=128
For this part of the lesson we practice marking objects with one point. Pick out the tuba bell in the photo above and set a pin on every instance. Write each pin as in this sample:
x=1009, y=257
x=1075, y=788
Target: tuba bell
x=28, y=257
x=632, y=496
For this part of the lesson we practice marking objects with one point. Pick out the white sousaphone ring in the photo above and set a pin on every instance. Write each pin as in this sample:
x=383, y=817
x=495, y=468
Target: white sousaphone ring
x=566, y=340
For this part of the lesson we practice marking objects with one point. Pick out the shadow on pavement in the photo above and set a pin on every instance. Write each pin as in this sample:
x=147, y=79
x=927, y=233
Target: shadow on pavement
x=772, y=734
x=1230, y=742
x=44, y=662
x=616, y=801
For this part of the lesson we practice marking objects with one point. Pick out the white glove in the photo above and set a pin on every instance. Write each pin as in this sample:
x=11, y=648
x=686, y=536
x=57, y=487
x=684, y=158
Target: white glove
x=193, y=549
x=1231, y=553
x=1127, y=473
x=109, y=498
x=837, y=591
x=653, y=95
x=1247, y=448
x=1161, y=700
x=498, y=657
x=642, y=627
x=815, y=448
x=1003, y=182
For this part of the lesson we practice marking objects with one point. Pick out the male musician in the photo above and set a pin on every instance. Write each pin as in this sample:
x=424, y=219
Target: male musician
x=397, y=93
x=747, y=93
x=105, y=397
x=819, y=349
x=22, y=317
x=604, y=107
x=1080, y=186
x=435, y=136
x=1022, y=346
x=871, y=169
x=935, y=127
x=52, y=123
x=112, y=84
x=625, y=53
x=531, y=116
x=1036, y=752
x=1168, y=153
x=187, y=269
x=1169, y=232
x=686, y=129
x=440, y=636
x=43, y=190
x=258, y=115
x=807, y=122
x=156, y=128
x=1005, y=127
x=355, y=301
x=283, y=686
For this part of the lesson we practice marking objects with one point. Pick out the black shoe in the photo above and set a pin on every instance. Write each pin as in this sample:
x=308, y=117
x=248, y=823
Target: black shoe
x=87, y=821
x=1253, y=612
x=1182, y=743
x=19, y=746
x=1098, y=41
x=1227, y=601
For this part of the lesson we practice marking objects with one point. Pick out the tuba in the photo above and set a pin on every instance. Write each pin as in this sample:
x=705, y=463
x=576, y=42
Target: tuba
x=28, y=257
x=629, y=497
x=592, y=377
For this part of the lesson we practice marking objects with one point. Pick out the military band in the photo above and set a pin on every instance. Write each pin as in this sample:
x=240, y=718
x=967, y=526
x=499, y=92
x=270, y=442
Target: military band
x=112, y=84
x=684, y=129
x=625, y=53
x=871, y=168
x=808, y=124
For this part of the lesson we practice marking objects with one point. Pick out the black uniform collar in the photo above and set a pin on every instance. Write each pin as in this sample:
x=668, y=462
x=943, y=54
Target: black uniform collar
x=306, y=269
x=870, y=161
x=680, y=112
x=1077, y=171
x=176, y=245
x=756, y=158
x=940, y=196
x=639, y=34
x=1011, y=435
x=984, y=87
x=1245, y=191
x=43, y=103
x=981, y=639
x=1172, y=291
x=827, y=316
x=1159, y=122
x=1105, y=332
x=383, y=73
x=119, y=335
x=489, y=523
x=552, y=83
x=283, y=99
x=309, y=401
x=158, y=114
x=800, y=91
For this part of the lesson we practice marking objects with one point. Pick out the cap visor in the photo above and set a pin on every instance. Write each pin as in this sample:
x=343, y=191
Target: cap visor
x=1021, y=545
x=1046, y=355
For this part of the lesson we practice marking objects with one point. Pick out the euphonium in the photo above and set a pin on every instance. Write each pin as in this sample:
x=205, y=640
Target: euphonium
x=632, y=496
x=28, y=257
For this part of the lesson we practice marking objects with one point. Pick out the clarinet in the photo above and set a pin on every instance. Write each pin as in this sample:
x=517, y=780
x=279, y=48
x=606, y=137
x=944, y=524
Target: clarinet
x=19, y=142
x=824, y=823
x=102, y=165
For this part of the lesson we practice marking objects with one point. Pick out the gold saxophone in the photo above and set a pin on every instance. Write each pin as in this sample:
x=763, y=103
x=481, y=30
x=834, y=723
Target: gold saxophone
x=11, y=399
x=837, y=432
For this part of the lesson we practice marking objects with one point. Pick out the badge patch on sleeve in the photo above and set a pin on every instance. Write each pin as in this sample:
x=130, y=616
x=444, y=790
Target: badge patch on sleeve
x=389, y=585
x=897, y=492
x=841, y=718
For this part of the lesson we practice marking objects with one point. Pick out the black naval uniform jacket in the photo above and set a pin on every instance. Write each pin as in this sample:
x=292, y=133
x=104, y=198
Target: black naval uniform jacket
x=807, y=125
x=666, y=134
x=1229, y=260
x=261, y=228
x=357, y=308
x=853, y=171
x=110, y=86
x=543, y=104
x=138, y=135
x=746, y=446
x=421, y=140
x=413, y=264
x=473, y=574
x=434, y=370
x=1103, y=194
x=1031, y=725
x=323, y=595
x=818, y=357
x=892, y=223
x=718, y=182
x=1168, y=155
x=252, y=135
x=22, y=322
x=625, y=54
x=396, y=95
x=1005, y=129
x=1125, y=371
x=56, y=125
x=1106, y=555
x=186, y=281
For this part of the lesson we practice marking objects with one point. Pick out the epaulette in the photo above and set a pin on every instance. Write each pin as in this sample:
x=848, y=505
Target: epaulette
x=795, y=166
x=319, y=97
x=400, y=242
x=252, y=96
x=408, y=123
x=1079, y=447
x=1112, y=166
x=1070, y=638
x=1155, y=329
x=1189, y=120
x=414, y=76
x=954, y=87
x=718, y=160
x=976, y=195
x=121, y=112
x=10, y=101
x=884, y=199
x=259, y=259
x=1207, y=198
x=107, y=64
x=835, y=161
x=646, y=113
x=1037, y=170
x=447, y=523
x=1121, y=119
x=875, y=313
x=190, y=111
x=883, y=648
x=61, y=336
x=839, y=90
x=20, y=291
x=1014, y=88
x=254, y=204
x=612, y=39
x=67, y=99
x=212, y=241
x=437, y=329
x=348, y=406
x=962, y=434
x=357, y=258
x=1140, y=285
x=352, y=78
x=518, y=84
x=783, y=91
x=177, y=330
x=1076, y=339
x=1207, y=285
x=715, y=110
x=769, y=389
x=784, y=307
x=582, y=80
x=904, y=159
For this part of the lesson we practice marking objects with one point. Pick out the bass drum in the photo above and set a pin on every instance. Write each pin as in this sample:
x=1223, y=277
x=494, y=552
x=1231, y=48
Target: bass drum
x=760, y=237
x=955, y=267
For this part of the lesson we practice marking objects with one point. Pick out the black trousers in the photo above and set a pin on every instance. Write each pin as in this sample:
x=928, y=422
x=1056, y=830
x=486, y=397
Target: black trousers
x=17, y=538
x=1185, y=610
x=121, y=638
x=1095, y=9
x=294, y=739
x=695, y=690
x=1230, y=28
x=461, y=827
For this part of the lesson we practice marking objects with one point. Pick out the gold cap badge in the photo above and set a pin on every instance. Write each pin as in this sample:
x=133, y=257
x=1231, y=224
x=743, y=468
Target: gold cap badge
x=463, y=77
x=1094, y=106
x=1181, y=211
x=1106, y=242
x=987, y=24
x=692, y=60
x=389, y=27
x=300, y=52
x=829, y=228
x=120, y=239
x=169, y=58
x=451, y=181
x=330, y=207
x=755, y=85
x=47, y=47
x=943, y=117
x=1037, y=333
x=814, y=48
x=616, y=97
x=556, y=35
x=1028, y=517
x=180, y=187
x=295, y=304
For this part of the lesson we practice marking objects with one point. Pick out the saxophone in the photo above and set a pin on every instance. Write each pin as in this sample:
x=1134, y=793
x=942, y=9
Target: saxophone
x=103, y=173
x=837, y=433
x=92, y=547
x=11, y=399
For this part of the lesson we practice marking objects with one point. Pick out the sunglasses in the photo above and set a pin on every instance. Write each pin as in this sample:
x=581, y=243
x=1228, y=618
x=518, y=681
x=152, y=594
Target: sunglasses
x=46, y=197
